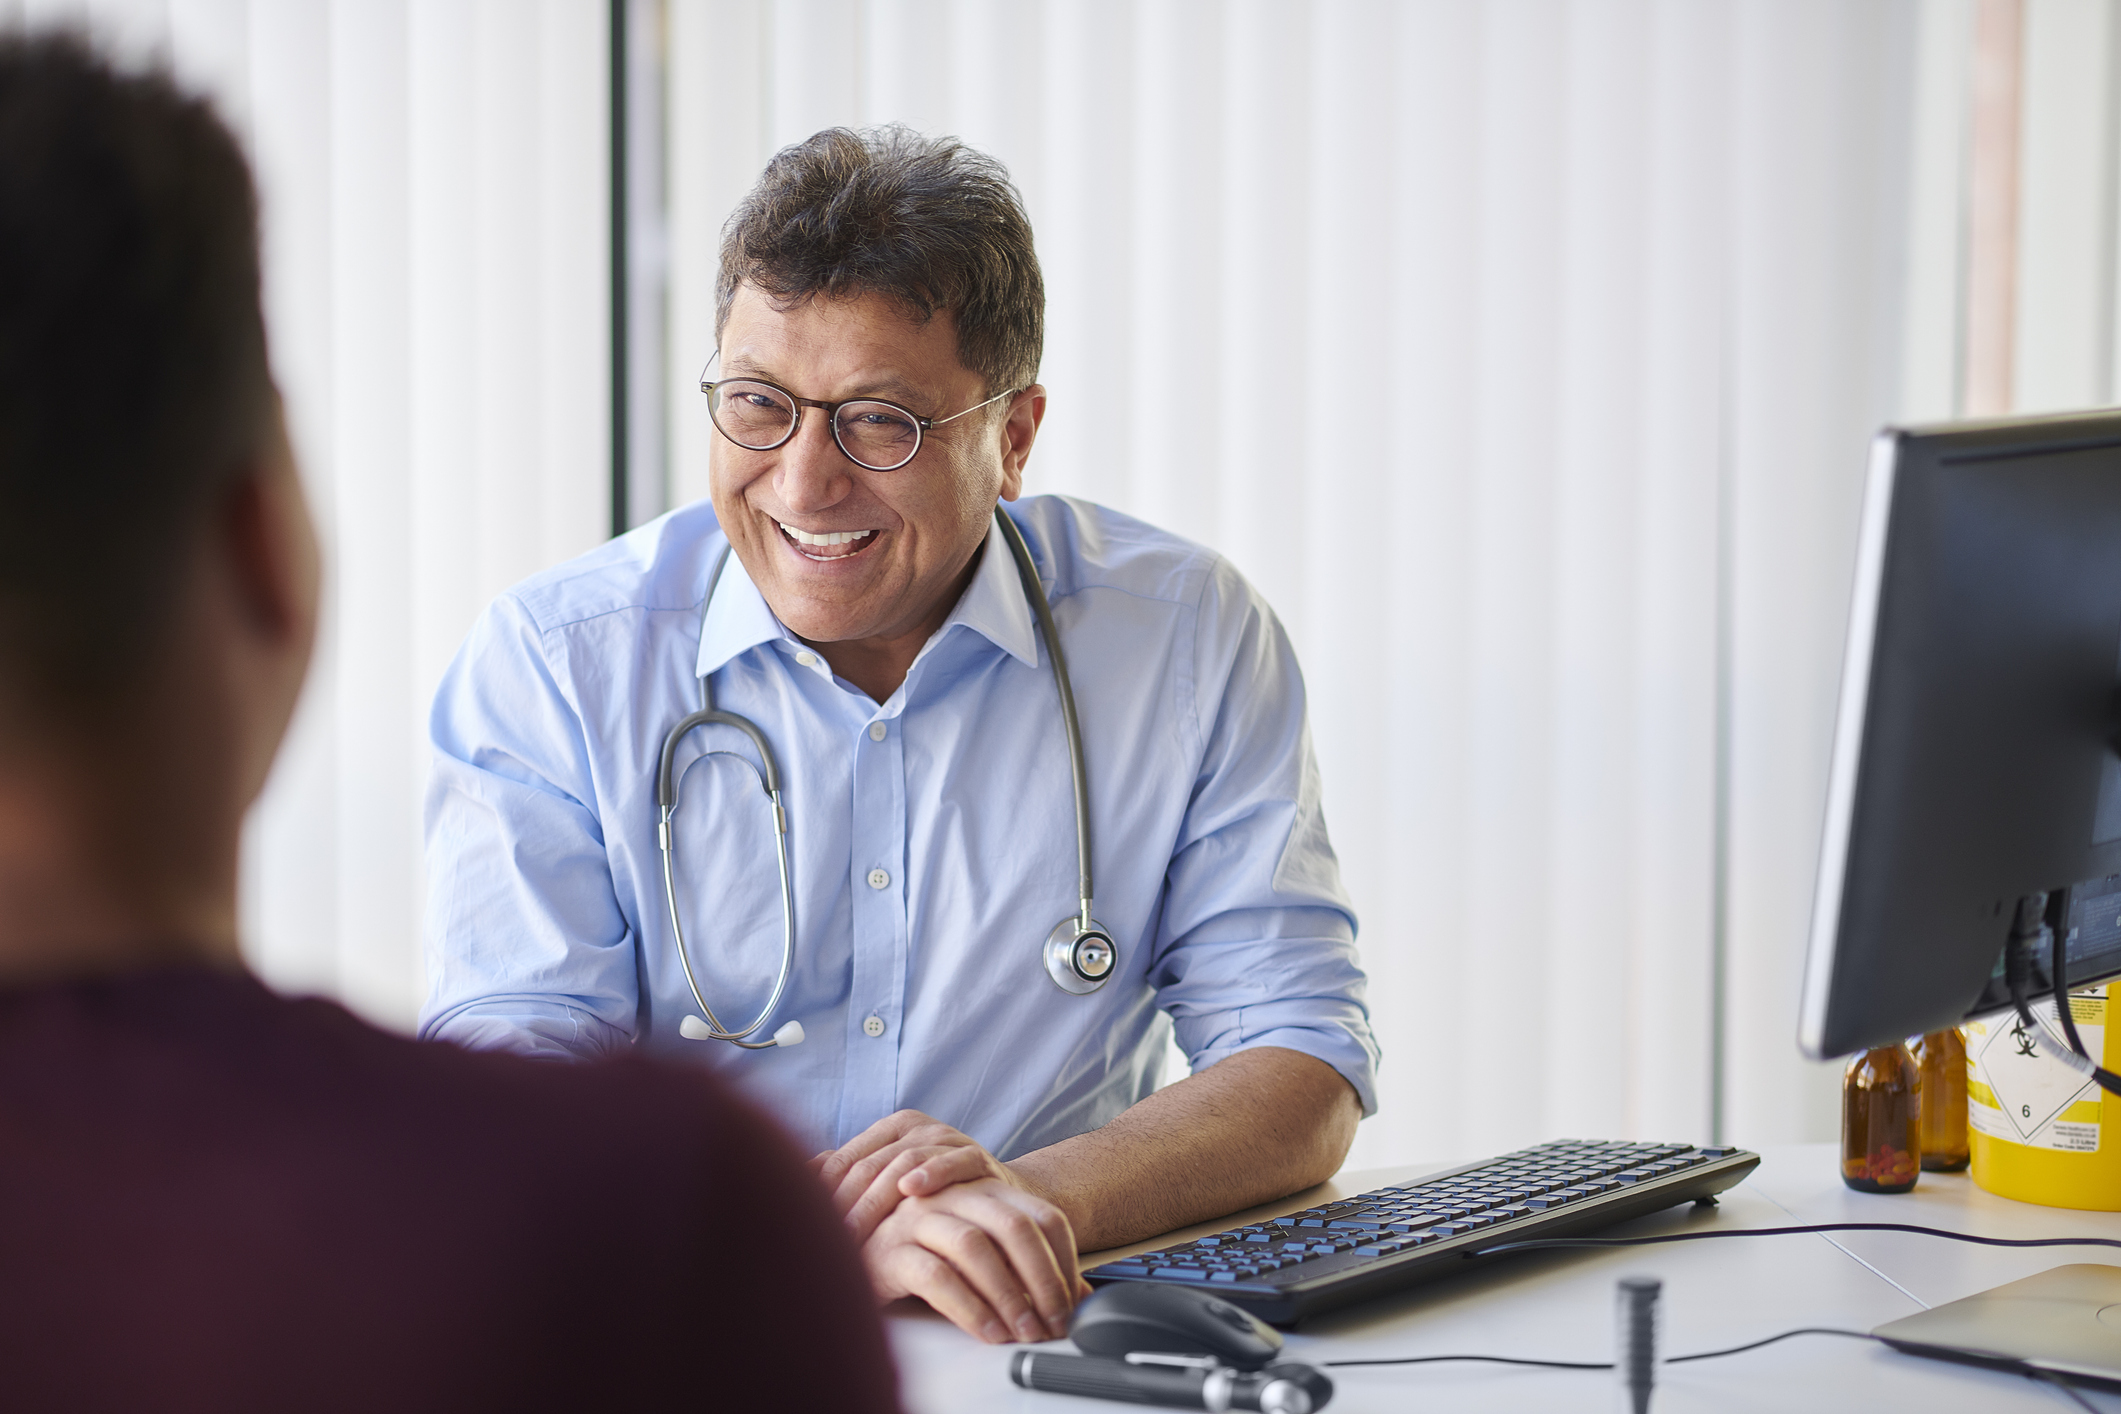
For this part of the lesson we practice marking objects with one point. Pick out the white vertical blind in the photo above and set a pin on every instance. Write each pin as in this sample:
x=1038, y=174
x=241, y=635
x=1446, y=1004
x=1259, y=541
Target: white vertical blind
x=1524, y=353
x=435, y=196
x=2070, y=168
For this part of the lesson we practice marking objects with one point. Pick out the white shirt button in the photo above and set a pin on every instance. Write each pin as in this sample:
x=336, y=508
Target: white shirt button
x=808, y=660
x=873, y=1026
x=878, y=879
x=876, y=731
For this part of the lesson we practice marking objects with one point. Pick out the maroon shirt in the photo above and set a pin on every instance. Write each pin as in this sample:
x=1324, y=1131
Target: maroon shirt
x=215, y=1199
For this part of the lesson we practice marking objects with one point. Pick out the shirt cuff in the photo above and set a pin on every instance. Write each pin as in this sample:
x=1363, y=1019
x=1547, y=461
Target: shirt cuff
x=1343, y=1042
x=543, y=1029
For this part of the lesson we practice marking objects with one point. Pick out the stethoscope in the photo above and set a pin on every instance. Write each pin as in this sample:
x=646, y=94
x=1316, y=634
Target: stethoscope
x=1079, y=953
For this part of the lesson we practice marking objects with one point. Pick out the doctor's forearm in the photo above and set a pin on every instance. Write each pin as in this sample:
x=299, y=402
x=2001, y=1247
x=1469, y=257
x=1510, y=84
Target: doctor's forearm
x=1259, y=1125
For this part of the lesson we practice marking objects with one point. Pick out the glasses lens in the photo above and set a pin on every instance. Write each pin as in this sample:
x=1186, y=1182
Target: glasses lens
x=754, y=415
x=878, y=435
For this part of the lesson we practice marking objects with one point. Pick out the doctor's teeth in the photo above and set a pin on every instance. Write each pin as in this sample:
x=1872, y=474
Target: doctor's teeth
x=831, y=537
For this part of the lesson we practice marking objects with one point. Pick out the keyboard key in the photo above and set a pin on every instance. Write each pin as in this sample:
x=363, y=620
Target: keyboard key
x=1312, y=1222
x=1380, y=1249
x=1121, y=1269
x=1180, y=1273
x=1357, y=1226
x=1222, y=1276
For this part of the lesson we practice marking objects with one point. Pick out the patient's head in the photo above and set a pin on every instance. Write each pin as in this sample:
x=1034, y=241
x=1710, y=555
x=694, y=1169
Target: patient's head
x=157, y=573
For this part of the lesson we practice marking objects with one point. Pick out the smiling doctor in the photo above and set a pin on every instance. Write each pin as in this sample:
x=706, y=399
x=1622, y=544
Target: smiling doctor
x=850, y=602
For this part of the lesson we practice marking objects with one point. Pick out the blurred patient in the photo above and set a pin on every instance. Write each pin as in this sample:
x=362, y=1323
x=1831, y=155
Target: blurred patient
x=212, y=1198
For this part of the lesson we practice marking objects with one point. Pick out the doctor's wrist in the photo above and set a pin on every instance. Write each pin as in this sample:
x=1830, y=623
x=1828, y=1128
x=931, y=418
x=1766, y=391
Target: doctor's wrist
x=1040, y=1179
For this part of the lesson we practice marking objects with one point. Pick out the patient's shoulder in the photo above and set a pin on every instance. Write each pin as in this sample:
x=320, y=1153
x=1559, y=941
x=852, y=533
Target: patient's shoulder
x=193, y=1160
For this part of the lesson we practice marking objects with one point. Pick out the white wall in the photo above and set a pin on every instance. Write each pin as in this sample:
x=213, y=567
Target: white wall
x=434, y=187
x=2070, y=163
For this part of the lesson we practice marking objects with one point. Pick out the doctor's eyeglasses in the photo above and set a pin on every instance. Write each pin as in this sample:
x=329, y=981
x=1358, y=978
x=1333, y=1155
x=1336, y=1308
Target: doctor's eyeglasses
x=879, y=435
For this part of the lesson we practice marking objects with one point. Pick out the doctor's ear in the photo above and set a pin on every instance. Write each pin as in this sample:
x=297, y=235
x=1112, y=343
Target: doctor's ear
x=1019, y=429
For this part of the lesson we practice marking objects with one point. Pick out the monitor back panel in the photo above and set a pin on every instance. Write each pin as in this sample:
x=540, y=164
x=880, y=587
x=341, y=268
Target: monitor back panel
x=1974, y=760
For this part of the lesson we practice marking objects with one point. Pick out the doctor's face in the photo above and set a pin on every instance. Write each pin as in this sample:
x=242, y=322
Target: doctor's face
x=914, y=530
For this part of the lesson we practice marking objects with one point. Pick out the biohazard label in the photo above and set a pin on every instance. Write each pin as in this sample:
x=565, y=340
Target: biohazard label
x=2015, y=1093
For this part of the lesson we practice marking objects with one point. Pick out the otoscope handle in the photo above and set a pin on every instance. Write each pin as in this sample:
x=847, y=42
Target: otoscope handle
x=1095, y=1377
x=1278, y=1389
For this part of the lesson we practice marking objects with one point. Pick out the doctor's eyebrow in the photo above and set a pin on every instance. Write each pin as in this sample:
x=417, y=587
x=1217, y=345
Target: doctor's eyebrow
x=889, y=387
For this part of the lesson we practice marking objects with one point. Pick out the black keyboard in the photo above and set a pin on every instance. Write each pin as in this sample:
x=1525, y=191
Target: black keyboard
x=1390, y=1238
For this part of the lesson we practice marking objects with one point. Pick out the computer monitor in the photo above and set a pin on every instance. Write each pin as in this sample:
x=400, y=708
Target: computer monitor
x=1975, y=755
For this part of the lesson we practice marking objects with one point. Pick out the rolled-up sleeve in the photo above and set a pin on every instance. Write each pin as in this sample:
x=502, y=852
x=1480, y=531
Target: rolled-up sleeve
x=1257, y=942
x=526, y=946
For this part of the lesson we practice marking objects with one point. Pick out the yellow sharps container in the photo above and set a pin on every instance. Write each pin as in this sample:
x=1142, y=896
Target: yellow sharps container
x=2038, y=1130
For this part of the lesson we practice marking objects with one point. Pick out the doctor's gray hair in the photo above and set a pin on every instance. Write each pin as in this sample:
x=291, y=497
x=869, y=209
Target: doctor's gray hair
x=929, y=223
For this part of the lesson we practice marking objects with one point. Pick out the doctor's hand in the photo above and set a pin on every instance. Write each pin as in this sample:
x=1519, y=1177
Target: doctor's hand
x=995, y=1259
x=901, y=1156
x=940, y=1218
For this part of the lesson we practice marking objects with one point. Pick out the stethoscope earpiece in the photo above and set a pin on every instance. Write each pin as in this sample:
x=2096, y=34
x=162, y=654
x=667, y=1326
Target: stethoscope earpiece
x=1080, y=959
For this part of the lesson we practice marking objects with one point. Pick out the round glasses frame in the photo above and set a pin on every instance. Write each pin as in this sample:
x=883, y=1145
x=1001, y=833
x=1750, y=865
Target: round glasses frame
x=922, y=426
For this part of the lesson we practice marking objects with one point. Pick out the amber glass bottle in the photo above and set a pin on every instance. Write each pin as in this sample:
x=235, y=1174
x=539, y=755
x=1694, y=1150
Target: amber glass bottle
x=1941, y=1058
x=1881, y=1113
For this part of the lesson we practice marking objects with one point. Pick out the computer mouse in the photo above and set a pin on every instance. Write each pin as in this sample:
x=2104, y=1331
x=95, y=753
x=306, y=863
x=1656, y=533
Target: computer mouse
x=1128, y=1316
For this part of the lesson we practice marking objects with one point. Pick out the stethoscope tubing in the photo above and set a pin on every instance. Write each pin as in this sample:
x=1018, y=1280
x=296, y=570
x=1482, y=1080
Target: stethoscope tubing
x=666, y=831
x=769, y=776
x=1050, y=632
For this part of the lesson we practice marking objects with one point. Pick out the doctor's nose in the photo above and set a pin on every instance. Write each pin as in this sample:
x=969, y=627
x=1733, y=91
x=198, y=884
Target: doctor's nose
x=813, y=474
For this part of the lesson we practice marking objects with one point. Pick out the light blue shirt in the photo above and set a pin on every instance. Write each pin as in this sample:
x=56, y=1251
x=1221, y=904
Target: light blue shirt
x=932, y=837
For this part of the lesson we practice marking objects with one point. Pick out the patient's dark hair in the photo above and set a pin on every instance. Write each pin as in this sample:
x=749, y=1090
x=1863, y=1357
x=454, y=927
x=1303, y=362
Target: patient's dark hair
x=133, y=375
x=927, y=222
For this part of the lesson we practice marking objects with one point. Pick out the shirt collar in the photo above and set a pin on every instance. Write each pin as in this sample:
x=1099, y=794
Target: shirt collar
x=993, y=605
x=737, y=618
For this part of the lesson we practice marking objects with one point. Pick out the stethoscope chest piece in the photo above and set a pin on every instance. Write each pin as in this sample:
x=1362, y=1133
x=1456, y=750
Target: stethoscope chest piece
x=1080, y=959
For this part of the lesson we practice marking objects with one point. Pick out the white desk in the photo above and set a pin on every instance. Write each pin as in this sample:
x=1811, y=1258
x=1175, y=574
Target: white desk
x=1559, y=1306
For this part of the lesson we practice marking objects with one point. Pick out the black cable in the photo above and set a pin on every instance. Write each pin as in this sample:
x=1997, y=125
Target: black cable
x=1605, y=1364
x=2058, y=924
x=1482, y=1359
x=1755, y=1345
x=2031, y=1372
x=1791, y=1231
